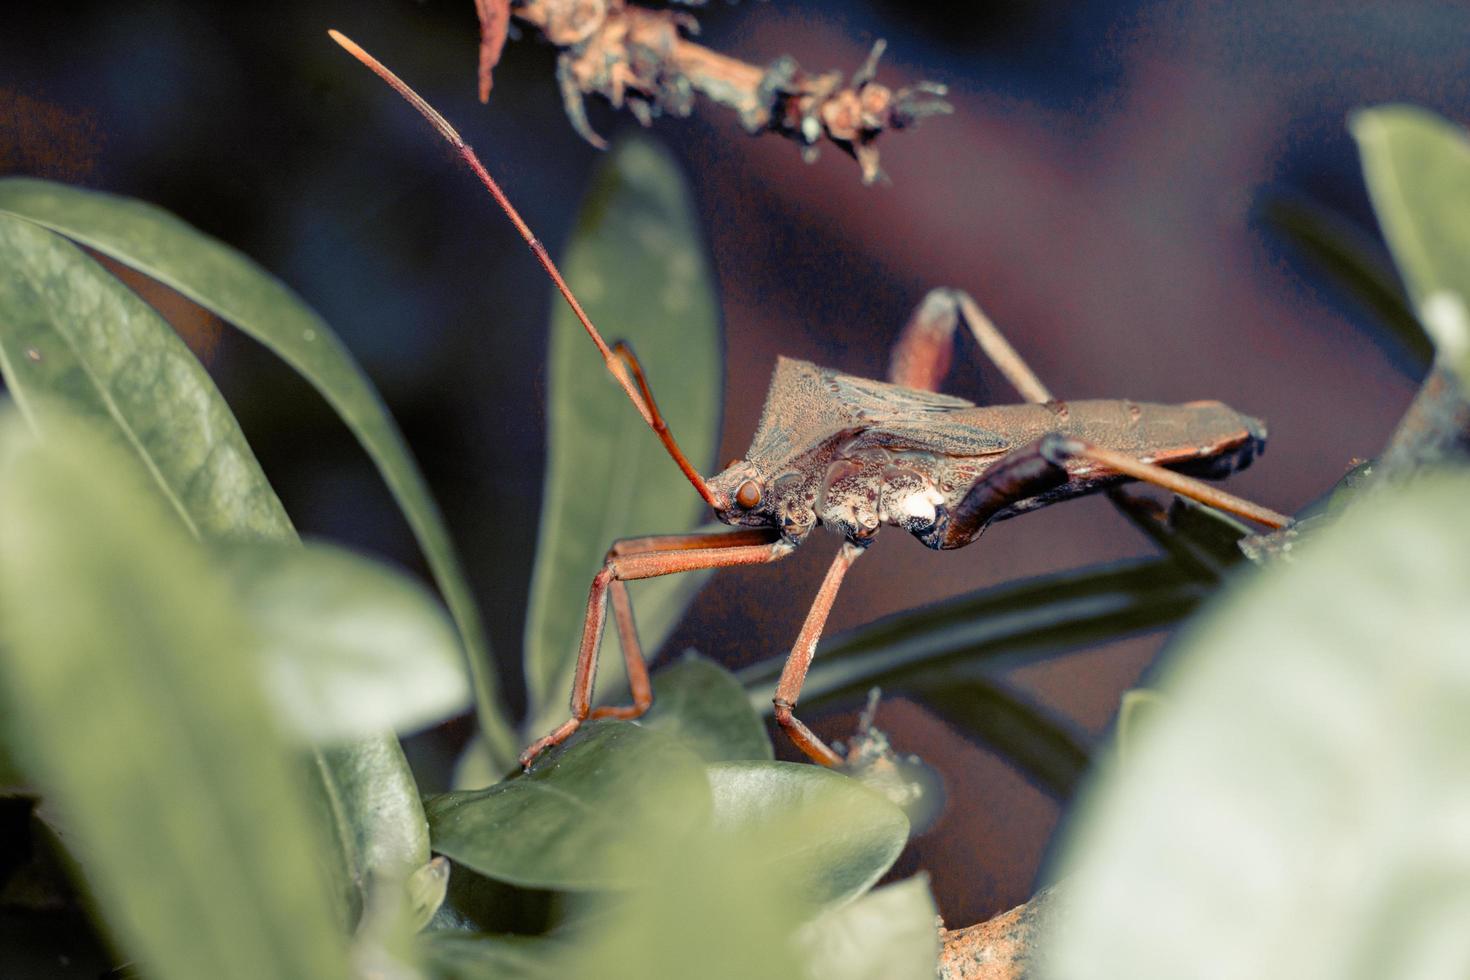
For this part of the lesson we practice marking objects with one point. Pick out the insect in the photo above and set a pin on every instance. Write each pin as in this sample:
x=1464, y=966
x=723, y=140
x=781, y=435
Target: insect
x=854, y=454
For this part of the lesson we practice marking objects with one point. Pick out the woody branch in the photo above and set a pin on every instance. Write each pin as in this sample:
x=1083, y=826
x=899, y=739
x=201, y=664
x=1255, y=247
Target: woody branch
x=640, y=59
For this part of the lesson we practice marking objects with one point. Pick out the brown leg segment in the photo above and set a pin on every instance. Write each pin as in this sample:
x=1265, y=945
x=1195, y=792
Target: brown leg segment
x=793, y=675
x=638, y=558
x=1185, y=486
x=922, y=355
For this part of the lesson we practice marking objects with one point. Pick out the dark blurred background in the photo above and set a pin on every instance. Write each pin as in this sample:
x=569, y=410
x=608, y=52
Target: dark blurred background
x=1097, y=190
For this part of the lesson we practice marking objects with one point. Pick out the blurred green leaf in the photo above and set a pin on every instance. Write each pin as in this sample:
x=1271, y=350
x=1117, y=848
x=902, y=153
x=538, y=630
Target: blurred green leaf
x=713, y=908
x=1355, y=262
x=74, y=340
x=1417, y=167
x=376, y=807
x=1138, y=710
x=585, y=816
x=467, y=956
x=725, y=901
x=426, y=890
x=636, y=260
x=888, y=934
x=1001, y=628
x=227, y=283
x=830, y=836
x=702, y=705
x=1045, y=746
x=1300, y=809
x=131, y=695
x=351, y=647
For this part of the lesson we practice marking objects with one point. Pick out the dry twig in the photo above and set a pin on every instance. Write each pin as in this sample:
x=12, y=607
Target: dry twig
x=641, y=59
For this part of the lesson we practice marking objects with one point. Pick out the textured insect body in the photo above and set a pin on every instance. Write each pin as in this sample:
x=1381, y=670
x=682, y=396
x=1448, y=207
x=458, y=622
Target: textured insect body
x=855, y=454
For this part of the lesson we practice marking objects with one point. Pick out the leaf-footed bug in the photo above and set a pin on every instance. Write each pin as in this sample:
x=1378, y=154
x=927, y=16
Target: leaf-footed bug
x=855, y=454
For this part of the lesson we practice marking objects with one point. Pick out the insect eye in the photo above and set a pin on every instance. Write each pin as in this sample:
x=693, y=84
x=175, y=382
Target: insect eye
x=749, y=495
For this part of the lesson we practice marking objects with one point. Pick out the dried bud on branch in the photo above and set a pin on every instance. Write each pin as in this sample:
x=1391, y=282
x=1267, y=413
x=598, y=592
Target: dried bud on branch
x=641, y=59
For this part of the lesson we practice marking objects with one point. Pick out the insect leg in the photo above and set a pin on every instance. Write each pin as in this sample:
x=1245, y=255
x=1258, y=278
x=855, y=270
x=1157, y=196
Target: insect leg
x=622, y=606
x=648, y=558
x=1025, y=472
x=1185, y=486
x=922, y=355
x=793, y=675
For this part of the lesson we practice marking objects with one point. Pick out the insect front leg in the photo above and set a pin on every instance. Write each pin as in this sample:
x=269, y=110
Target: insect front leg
x=637, y=558
x=922, y=355
x=799, y=661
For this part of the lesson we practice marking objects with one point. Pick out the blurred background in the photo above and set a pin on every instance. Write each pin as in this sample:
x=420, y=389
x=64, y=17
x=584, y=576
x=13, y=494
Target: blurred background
x=1098, y=190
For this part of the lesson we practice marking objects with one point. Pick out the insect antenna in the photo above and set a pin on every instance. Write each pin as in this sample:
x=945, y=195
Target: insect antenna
x=616, y=360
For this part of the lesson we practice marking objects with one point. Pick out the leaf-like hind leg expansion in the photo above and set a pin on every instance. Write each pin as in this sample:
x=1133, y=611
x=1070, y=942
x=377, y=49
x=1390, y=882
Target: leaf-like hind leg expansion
x=793, y=675
x=636, y=558
x=921, y=358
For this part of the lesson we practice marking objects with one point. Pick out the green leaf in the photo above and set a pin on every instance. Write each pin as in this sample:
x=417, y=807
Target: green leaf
x=351, y=647
x=1200, y=538
x=585, y=816
x=1355, y=262
x=636, y=261
x=725, y=900
x=376, y=807
x=72, y=337
x=465, y=956
x=227, y=283
x=1139, y=709
x=1300, y=809
x=888, y=934
x=1001, y=628
x=131, y=696
x=74, y=341
x=426, y=889
x=1417, y=167
x=702, y=705
x=830, y=836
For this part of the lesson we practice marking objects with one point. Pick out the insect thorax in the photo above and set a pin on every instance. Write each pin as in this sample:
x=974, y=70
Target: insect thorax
x=854, y=489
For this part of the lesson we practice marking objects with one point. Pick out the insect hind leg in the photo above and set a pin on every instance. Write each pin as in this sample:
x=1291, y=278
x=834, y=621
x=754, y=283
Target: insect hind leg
x=1026, y=472
x=922, y=355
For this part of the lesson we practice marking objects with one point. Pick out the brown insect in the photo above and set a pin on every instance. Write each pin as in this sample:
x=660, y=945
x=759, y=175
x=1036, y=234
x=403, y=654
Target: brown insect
x=855, y=454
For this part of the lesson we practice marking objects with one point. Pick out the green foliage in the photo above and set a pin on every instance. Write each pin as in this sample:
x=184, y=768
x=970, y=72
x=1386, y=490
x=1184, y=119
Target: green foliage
x=1291, y=813
x=825, y=838
x=197, y=840
x=203, y=700
x=887, y=934
x=582, y=818
x=704, y=707
x=334, y=629
x=1417, y=167
x=230, y=285
x=636, y=261
x=1293, y=802
x=75, y=344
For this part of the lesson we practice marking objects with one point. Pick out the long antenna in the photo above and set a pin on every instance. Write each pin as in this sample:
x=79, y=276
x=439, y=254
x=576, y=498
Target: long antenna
x=616, y=363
